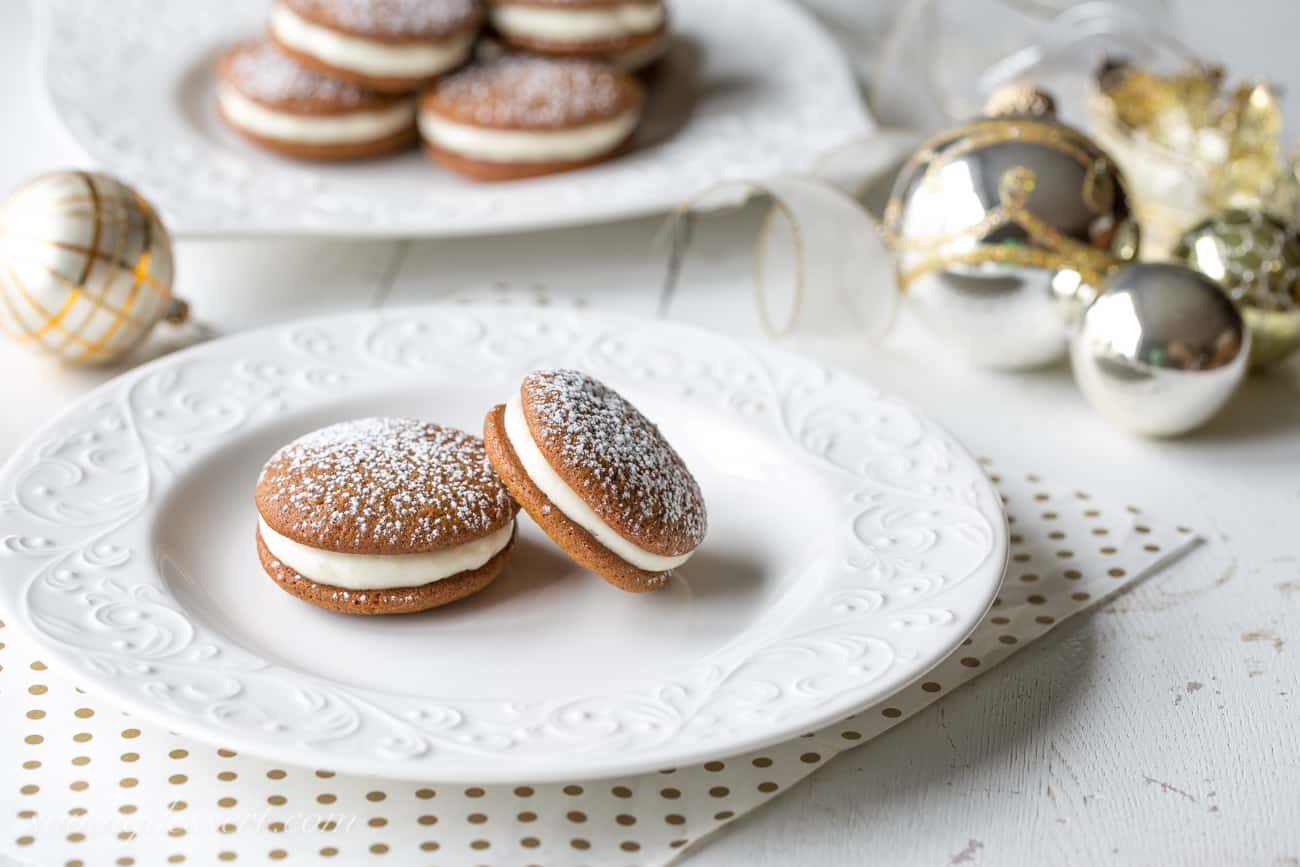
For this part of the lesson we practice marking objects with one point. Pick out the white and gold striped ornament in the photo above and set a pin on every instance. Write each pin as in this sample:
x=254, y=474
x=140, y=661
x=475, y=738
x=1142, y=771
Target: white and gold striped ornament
x=85, y=267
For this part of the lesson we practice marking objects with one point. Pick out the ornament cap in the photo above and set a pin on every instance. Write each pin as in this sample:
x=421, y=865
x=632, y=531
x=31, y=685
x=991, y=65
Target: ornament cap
x=1020, y=99
x=178, y=312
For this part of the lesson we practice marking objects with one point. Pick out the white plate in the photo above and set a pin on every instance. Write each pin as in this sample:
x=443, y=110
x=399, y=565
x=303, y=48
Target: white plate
x=745, y=93
x=852, y=545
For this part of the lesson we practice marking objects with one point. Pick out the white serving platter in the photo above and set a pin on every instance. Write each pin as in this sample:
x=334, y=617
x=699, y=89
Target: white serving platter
x=750, y=89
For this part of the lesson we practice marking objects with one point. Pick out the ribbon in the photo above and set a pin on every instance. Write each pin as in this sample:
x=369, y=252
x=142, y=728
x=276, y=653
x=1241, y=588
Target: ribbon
x=820, y=262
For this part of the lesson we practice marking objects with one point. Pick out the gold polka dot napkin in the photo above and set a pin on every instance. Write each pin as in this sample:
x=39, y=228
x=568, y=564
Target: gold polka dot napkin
x=83, y=785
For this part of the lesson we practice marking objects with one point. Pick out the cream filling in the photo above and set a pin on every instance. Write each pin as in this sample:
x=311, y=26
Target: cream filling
x=368, y=56
x=357, y=126
x=382, y=571
x=528, y=146
x=569, y=503
x=578, y=25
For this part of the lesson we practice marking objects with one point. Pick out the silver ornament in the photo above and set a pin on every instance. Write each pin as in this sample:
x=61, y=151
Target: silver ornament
x=85, y=267
x=1161, y=350
x=993, y=221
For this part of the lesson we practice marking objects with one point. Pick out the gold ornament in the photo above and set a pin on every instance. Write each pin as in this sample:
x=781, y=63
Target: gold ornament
x=1191, y=146
x=1256, y=258
x=85, y=267
x=994, y=221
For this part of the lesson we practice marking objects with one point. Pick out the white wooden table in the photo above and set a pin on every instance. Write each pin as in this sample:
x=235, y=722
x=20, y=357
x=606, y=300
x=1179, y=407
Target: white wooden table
x=1164, y=729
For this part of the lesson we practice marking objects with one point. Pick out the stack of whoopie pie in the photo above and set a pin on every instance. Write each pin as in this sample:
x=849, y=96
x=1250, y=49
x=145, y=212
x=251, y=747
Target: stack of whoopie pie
x=393, y=515
x=349, y=79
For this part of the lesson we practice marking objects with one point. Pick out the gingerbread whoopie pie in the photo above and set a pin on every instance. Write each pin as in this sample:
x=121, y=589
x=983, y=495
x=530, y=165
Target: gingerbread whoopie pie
x=627, y=33
x=264, y=95
x=598, y=477
x=383, y=516
x=521, y=116
x=393, y=46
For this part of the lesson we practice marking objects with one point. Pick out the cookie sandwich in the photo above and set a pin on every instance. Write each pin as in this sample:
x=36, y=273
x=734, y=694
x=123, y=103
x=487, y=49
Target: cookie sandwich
x=627, y=33
x=598, y=477
x=383, y=516
x=267, y=97
x=393, y=46
x=521, y=116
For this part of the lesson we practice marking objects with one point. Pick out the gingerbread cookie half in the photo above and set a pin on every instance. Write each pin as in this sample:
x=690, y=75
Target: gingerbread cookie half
x=518, y=117
x=393, y=46
x=264, y=95
x=383, y=516
x=598, y=477
x=627, y=33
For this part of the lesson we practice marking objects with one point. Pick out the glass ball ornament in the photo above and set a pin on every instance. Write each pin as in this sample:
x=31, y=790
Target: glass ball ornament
x=1160, y=350
x=1255, y=257
x=86, y=267
x=996, y=224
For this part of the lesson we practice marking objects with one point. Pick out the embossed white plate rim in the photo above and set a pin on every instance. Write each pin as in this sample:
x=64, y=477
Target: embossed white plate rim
x=196, y=188
x=984, y=579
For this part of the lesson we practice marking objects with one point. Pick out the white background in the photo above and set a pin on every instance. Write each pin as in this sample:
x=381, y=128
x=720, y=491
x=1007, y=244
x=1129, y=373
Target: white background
x=1162, y=729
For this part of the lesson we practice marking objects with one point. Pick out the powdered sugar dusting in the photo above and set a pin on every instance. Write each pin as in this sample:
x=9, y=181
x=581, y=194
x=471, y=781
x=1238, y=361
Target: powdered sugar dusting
x=262, y=71
x=525, y=91
x=392, y=17
x=384, y=485
x=623, y=467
